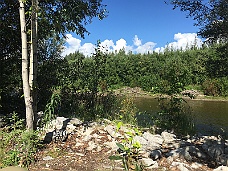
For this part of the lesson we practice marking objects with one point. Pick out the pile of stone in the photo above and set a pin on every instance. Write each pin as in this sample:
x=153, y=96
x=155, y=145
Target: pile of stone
x=190, y=93
x=158, y=151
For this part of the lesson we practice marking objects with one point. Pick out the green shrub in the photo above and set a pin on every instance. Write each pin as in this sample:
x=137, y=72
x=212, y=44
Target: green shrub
x=211, y=87
x=18, y=145
x=175, y=115
x=223, y=83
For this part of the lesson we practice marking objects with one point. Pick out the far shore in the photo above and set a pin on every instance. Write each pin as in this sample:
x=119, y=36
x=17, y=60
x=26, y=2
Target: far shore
x=138, y=92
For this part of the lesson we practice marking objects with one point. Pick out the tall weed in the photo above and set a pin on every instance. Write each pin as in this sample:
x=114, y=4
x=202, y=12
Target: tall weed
x=18, y=145
x=175, y=115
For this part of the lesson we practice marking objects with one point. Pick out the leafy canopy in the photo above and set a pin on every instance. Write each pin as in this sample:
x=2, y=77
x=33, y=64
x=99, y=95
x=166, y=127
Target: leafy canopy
x=211, y=15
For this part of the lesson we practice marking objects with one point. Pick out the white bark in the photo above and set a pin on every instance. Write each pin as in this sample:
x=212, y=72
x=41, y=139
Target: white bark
x=25, y=69
x=33, y=60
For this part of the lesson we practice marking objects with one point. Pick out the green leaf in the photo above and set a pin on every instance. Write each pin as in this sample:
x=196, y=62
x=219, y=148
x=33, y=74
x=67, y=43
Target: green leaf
x=115, y=157
x=119, y=124
x=137, y=144
x=120, y=146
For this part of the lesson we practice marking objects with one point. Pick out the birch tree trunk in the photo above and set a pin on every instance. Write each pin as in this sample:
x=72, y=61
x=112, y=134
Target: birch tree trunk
x=25, y=69
x=33, y=61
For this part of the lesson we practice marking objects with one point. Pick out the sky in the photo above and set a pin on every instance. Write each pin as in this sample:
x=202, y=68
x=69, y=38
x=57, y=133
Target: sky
x=139, y=26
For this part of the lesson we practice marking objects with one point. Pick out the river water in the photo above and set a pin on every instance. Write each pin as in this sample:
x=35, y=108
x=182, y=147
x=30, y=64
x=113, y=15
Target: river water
x=210, y=116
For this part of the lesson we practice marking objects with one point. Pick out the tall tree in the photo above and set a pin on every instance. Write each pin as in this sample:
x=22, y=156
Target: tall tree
x=211, y=15
x=25, y=68
x=57, y=18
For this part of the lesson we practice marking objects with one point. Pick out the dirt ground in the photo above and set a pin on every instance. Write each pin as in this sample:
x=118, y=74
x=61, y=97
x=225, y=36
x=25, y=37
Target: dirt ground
x=67, y=156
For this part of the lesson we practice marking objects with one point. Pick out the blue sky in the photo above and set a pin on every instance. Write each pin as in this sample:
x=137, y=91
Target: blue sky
x=138, y=26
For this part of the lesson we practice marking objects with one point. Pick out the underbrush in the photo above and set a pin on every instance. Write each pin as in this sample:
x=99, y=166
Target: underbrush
x=175, y=115
x=18, y=145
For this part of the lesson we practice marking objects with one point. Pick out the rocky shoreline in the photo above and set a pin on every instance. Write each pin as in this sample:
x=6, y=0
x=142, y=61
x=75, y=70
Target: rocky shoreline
x=186, y=94
x=163, y=151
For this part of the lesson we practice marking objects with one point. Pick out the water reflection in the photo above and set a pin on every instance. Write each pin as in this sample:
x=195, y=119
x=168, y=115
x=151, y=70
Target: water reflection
x=209, y=115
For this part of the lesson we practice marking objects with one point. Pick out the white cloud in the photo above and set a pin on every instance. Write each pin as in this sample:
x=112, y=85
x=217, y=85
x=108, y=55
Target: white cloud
x=145, y=48
x=120, y=44
x=137, y=41
x=87, y=49
x=73, y=45
x=107, y=45
x=181, y=42
x=185, y=40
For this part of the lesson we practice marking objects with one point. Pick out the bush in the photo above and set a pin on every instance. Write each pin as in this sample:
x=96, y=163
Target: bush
x=175, y=115
x=18, y=145
x=216, y=87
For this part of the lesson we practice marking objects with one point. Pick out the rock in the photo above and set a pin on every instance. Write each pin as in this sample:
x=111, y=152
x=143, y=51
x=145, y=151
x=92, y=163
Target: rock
x=111, y=130
x=155, y=154
x=175, y=153
x=112, y=145
x=196, y=165
x=169, y=160
x=147, y=162
x=195, y=152
x=221, y=168
x=215, y=151
x=157, y=139
x=186, y=155
x=88, y=131
x=79, y=154
x=141, y=140
x=222, y=159
x=190, y=93
x=48, y=137
x=180, y=166
x=154, y=166
x=47, y=158
x=154, y=141
x=70, y=128
x=168, y=137
x=91, y=146
x=87, y=137
x=75, y=121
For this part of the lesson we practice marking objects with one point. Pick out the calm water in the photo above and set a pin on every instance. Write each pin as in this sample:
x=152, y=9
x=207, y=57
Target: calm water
x=209, y=115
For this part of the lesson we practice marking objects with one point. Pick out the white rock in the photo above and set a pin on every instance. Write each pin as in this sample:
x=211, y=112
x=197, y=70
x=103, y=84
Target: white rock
x=168, y=137
x=79, y=154
x=141, y=140
x=75, y=121
x=148, y=161
x=88, y=131
x=221, y=168
x=153, y=138
x=70, y=128
x=87, y=137
x=196, y=165
x=91, y=146
x=180, y=166
x=47, y=158
x=111, y=130
x=154, y=166
x=99, y=148
x=112, y=145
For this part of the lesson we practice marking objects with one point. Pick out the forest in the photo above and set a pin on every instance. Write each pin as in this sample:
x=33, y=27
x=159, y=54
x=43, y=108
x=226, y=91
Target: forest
x=35, y=78
x=203, y=69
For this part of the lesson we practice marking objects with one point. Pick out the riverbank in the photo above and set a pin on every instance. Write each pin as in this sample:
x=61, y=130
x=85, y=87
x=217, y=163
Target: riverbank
x=138, y=92
x=89, y=146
